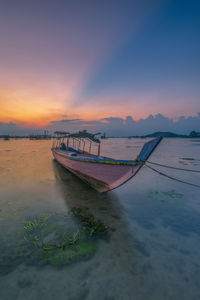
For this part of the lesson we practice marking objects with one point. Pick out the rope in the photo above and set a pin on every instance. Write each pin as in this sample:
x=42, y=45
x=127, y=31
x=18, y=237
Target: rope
x=175, y=168
x=173, y=178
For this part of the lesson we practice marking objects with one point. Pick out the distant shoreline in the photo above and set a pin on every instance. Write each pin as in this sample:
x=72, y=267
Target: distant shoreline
x=168, y=134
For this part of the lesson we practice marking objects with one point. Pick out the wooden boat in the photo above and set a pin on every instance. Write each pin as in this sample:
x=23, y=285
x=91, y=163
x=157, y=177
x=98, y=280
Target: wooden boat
x=6, y=138
x=75, y=153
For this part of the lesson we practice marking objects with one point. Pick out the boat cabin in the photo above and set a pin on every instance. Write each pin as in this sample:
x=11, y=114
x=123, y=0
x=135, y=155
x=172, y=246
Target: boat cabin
x=81, y=142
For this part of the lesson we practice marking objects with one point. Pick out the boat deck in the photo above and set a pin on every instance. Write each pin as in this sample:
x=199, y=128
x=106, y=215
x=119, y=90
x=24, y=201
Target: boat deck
x=94, y=158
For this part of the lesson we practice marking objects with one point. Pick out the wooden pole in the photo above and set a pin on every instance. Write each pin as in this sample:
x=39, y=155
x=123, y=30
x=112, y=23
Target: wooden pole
x=79, y=144
x=90, y=147
x=99, y=150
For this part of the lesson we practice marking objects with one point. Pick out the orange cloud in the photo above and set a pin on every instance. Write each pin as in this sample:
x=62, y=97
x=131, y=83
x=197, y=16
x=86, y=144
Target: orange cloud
x=23, y=106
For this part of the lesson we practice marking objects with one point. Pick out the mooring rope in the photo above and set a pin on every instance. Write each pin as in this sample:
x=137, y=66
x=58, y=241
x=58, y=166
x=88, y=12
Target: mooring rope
x=175, y=168
x=173, y=178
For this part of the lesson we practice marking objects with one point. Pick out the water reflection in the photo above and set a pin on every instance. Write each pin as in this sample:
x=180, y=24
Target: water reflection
x=107, y=208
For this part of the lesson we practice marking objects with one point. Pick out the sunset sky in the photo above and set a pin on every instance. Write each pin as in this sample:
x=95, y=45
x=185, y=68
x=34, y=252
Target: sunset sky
x=89, y=61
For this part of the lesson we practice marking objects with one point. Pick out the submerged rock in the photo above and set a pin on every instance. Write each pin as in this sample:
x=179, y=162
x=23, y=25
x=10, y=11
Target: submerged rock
x=54, y=239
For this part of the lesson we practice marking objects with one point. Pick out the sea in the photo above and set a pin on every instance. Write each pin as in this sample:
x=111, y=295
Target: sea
x=60, y=239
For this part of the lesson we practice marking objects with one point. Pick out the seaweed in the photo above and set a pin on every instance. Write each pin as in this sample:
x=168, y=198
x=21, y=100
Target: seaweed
x=34, y=230
x=173, y=194
x=51, y=243
x=58, y=258
x=165, y=195
x=53, y=239
x=90, y=225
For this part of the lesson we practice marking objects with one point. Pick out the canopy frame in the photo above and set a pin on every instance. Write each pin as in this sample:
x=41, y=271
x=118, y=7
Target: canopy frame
x=77, y=141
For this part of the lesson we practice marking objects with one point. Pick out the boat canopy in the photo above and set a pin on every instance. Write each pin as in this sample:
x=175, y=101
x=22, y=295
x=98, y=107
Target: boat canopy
x=84, y=134
x=81, y=142
x=61, y=133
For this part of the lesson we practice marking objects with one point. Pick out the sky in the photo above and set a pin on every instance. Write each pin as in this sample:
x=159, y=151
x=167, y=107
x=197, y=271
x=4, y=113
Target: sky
x=127, y=67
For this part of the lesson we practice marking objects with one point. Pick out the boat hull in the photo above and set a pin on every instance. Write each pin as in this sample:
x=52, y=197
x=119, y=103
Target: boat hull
x=100, y=176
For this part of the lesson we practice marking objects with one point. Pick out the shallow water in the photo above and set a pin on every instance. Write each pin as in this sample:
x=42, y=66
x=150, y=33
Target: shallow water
x=151, y=250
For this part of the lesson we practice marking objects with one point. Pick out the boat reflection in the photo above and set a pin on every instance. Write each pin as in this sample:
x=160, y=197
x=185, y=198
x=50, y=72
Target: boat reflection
x=77, y=193
x=105, y=207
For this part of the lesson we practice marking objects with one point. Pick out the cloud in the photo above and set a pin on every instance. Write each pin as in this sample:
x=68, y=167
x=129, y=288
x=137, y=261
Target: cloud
x=113, y=120
x=113, y=126
x=65, y=121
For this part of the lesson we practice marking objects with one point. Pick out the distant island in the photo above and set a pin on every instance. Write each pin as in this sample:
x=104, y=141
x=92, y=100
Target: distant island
x=166, y=134
x=192, y=134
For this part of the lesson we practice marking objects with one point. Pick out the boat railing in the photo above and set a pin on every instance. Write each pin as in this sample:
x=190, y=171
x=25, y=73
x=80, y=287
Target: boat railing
x=82, y=145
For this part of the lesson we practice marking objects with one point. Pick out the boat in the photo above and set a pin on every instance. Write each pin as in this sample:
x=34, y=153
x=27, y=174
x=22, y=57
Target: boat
x=6, y=138
x=79, y=153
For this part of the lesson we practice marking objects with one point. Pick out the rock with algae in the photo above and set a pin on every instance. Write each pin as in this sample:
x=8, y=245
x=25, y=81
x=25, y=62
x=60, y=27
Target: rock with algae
x=53, y=239
x=61, y=247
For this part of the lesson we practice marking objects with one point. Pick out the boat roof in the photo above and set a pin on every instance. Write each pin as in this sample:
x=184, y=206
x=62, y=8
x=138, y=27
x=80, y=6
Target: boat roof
x=61, y=132
x=79, y=135
x=84, y=134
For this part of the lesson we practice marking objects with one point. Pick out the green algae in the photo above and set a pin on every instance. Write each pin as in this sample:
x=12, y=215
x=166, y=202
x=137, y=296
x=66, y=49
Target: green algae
x=56, y=239
x=173, y=194
x=35, y=230
x=39, y=221
x=90, y=225
x=164, y=196
x=86, y=248
x=54, y=245
x=61, y=257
